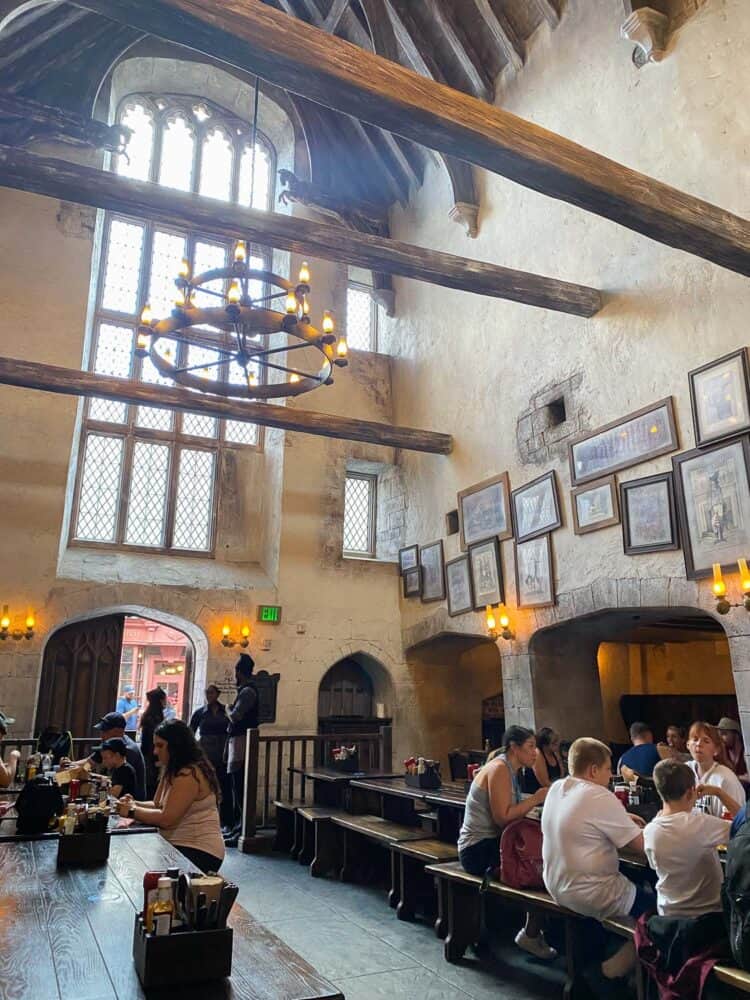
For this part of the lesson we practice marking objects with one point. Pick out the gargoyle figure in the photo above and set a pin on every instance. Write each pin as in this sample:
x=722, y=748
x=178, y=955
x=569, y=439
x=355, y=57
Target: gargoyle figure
x=23, y=121
x=362, y=216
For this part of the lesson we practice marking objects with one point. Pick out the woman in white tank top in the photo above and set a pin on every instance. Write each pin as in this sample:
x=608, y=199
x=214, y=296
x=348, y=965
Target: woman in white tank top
x=185, y=806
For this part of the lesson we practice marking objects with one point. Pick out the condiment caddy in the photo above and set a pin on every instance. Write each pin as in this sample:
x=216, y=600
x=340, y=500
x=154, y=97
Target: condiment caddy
x=345, y=759
x=420, y=772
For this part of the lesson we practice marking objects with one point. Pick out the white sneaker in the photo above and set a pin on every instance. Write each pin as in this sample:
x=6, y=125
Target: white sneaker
x=535, y=946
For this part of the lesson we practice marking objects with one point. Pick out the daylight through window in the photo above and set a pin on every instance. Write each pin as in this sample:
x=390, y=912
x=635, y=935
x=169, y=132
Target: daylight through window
x=359, y=514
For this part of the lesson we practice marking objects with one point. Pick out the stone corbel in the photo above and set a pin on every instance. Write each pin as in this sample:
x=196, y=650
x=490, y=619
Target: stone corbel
x=466, y=215
x=648, y=28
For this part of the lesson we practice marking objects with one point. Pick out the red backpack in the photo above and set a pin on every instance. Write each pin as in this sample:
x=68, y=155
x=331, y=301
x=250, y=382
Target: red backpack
x=521, y=855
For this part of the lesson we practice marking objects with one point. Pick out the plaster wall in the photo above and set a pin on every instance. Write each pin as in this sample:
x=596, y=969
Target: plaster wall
x=475, y=366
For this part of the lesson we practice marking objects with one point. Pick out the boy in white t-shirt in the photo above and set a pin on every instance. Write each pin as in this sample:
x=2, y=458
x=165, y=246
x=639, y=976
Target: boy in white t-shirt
x=681, y=846
x=584, y=826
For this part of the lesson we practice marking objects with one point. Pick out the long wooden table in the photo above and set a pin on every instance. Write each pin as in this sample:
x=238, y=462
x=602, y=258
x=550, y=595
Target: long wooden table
x=69, y=933
x=396, y=801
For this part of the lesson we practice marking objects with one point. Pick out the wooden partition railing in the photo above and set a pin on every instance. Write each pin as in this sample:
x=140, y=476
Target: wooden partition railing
x=82, y=747
x=271, y=763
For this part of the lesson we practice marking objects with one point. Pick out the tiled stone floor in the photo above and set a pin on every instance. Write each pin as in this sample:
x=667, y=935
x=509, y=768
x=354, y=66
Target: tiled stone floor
x=351, y=936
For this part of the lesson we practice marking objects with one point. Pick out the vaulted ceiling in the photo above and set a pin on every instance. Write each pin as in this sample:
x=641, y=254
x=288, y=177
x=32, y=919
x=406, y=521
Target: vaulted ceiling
x=59, y=54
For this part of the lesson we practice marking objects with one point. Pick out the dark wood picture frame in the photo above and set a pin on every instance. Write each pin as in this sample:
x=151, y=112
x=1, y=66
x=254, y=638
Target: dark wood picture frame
x=701, y=438
x=408, y=548
x=499, y=596
x=646, y=456
x=683, y=517
x=548, y=477
x=539, y=540
x=422, y=549
x=503, y=480
x=606, y=522
x=409, y=588
x=632, y=486
x=453, y=610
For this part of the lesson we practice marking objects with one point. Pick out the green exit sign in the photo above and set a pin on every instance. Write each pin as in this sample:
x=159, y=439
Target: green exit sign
x=269, y=613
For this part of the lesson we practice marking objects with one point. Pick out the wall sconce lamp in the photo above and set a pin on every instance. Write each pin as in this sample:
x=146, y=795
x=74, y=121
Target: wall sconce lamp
x=500, y=619
x=723, y=606
x=227, y=640
x=7, y=630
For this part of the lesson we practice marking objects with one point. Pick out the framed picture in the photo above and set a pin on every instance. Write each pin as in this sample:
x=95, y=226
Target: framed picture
x=408, y=558
x=649, y=518
x=595, y=506
x=628, y=441
x=535, y=584
x=412, y=582
x=712, y=490
x=486, y=573
x=536, y=507
x=432, y=565
x=720, y=398
x=484, y=511
x=458, y=585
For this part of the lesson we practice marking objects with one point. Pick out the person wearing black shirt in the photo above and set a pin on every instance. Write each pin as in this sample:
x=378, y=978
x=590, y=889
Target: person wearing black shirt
x=109, y=726
x=120, y=772
x=210, y=724
x=151, y=718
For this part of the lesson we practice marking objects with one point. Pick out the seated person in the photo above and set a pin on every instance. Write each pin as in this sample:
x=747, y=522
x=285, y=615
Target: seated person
x=734, y=747
x=720, y=787
x=7, y=771
x=548, y=766
x=584, y=826
x=675, y=747
x=641, y=759
x=186, y=804
x=121, y=773
x=110, y=726
x=681, y=844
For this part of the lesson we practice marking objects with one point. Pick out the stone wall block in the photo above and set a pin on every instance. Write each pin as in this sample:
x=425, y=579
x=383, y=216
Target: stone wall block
x=654, y=592
x=683, y=593
x=583, y=601
x=629, y=593
x=565, y=607
x=739, y=650
x=604, y=592
x=742, y=688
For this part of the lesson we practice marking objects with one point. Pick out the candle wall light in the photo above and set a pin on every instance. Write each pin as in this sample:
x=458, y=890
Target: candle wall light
x=227, y=640
x=10, y=631
x=719, y=587
x=498, y=623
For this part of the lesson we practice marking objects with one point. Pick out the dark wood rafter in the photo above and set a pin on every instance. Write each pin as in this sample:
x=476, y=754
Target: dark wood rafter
x=72, y=16
x=88, y=186
x=334, y=15
x=70, y=382
x=471, y=65
x=252, y=35
x=549, y=12
x=502, y=33
x=23, y=121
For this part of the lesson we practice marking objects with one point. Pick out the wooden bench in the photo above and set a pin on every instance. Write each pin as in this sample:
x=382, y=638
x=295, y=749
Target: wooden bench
x=733, y=977
x=411, y=858
x=286, y=838
x=319, y=847
x=380, y=831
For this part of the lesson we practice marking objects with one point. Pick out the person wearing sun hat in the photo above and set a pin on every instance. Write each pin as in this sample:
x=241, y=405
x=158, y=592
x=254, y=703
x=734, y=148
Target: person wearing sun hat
x=731, y=737
x=7, y=771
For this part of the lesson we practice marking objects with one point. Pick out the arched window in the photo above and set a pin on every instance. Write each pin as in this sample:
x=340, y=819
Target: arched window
x=148, y=478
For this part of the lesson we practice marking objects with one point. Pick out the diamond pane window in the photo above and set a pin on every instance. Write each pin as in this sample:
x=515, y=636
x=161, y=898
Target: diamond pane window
x=114, y=353
x=195, y=495
x=359, y=514
x=167, y=252
x=360, y=319
x=137, y=163
x=177, y=151
x=216, y=166
x=196, y=425
x=208, y=257
x=262, y=177
x=240, y=432
x=122, y=268
x=151, y=416
x=147, y=502
x=99, y=495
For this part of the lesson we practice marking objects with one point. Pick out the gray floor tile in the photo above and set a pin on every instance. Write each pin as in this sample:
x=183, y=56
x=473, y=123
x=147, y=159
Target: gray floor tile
x=406, y=984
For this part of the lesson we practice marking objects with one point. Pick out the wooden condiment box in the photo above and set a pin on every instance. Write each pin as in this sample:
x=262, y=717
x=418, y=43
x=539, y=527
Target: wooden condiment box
x=83, y=850
x=181, y=958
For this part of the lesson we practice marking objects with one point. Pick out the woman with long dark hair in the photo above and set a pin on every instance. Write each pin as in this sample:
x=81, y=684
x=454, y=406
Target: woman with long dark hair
x=185, y=806
x=152, y=717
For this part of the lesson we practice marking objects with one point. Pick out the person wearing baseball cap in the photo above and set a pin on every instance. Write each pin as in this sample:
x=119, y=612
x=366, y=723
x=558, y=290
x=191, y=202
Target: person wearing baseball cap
x=112, y=726
x=7, y=771
x=114, y=758
x=731, y=737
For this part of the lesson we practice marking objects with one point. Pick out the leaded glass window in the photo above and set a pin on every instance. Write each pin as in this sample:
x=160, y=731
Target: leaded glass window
x=359, y=514
x=361, y=318
x=147, y=477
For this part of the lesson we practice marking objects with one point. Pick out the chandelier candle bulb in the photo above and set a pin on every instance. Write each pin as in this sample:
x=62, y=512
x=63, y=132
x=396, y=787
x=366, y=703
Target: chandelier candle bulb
x=240, y=252
x=291, y=304
x=719, y=587
x=234, y=295
x=184, y=271
x=304, y=273
x=294, y=377
x=142, y=344
x=146, y=315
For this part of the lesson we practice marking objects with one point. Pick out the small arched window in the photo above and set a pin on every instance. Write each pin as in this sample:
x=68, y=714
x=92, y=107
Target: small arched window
x=148, y=478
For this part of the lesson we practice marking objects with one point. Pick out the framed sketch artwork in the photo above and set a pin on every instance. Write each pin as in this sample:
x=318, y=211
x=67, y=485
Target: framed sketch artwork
x=536, y=508
x=535, y=585
x=712, y=490
x=640, y=436
x=408, y=558
x=458, y=585
x=649, y=519
x=595, y=506
x=484, y=511
x=486, y=574
x=432, y=565
x=720, y=398
x=412, y=582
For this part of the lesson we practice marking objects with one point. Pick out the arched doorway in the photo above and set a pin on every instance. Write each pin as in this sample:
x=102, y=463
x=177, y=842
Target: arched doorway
x=354, y=696
x=88, y=663
x=596, y=674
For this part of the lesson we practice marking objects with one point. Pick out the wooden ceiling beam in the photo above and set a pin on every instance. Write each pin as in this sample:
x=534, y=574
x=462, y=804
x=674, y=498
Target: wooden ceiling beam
x=71, y=382
x=253, y=36
x=89, y=186
x=334, y=15
x=548, y=11
x=39, y=38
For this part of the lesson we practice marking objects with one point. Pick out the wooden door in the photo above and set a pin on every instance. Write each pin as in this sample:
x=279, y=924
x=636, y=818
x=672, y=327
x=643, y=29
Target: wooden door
x=79, y=675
